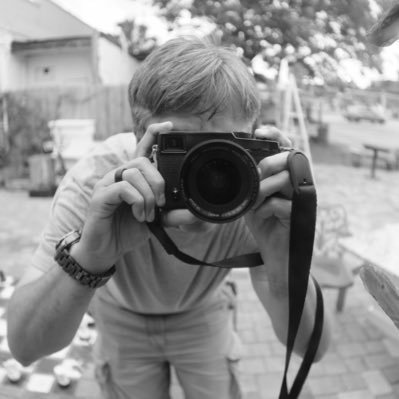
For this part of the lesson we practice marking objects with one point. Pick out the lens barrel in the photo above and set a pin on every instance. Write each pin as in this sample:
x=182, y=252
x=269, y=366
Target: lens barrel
x=219, y=180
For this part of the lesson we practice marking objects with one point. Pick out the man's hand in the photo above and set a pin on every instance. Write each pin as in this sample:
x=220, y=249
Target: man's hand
x=118, y=210
x=269, y=223
x=273, y=205
x=114, y=223
x=269, y=220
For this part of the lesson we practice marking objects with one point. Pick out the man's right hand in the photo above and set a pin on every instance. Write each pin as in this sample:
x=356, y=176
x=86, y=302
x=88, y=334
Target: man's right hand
x=117, y=210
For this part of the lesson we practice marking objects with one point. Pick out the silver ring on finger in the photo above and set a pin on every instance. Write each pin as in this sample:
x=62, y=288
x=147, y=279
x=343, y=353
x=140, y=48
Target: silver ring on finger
x=118, y=176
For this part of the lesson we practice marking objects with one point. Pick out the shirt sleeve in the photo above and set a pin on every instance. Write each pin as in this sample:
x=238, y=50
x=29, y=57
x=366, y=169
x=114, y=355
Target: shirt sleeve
x=67, y=213
x=71, y=201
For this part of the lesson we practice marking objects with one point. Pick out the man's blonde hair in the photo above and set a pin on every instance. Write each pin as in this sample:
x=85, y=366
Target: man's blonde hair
x=192, y=76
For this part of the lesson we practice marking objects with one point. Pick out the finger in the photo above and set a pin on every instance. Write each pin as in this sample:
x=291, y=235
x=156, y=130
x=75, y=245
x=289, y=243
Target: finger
x=144, y=146
x=273, y=133
x=178, y=217
x=135, y=177
x=108, y=198
x=151, y=174
x=274, y=207
x=279, y=183
x=274, y=164
x=153, y=179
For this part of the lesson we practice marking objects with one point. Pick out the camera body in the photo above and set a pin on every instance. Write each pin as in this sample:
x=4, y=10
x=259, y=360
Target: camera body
x=213, y=174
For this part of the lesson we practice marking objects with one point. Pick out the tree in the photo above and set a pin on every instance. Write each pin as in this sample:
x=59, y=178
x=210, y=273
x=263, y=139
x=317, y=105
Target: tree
x=139, y=44
x=316, y=33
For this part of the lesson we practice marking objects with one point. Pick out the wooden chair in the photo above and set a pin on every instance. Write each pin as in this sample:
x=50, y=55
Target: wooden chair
x=330, y=265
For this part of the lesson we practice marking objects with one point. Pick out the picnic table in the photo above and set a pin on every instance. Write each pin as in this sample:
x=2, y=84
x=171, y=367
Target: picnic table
x=376, y=150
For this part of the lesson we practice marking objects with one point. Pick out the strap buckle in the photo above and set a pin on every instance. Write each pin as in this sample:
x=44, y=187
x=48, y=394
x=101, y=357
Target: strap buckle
x=300, y=171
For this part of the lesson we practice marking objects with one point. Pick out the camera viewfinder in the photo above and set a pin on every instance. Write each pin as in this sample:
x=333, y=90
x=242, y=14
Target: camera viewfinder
x=173, y=144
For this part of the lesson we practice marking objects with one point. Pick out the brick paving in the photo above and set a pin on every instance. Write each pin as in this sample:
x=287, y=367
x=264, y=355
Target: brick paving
x=363, y=361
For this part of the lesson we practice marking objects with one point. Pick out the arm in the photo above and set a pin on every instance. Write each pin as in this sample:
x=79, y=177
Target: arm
x=269, y=223
x=45, y=310
x=44, y=313
x=273, y=294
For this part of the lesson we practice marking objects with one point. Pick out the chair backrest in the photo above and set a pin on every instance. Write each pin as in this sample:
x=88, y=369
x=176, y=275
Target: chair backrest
x=331, y=225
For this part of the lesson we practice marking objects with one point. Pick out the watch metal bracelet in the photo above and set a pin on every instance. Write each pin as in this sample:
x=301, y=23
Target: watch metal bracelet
x=73, y=268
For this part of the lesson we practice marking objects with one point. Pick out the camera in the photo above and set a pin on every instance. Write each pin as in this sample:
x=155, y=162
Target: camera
x=212, y=174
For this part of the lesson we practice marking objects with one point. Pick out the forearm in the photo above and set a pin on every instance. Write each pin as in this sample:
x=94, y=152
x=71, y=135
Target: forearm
x=43, y=316
x=273, y=295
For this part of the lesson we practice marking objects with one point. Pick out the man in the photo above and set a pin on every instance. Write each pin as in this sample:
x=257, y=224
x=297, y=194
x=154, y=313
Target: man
x=156, y=311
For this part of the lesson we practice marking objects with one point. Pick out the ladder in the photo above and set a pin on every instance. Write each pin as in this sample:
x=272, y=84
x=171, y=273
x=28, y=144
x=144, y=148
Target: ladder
x=291, y=119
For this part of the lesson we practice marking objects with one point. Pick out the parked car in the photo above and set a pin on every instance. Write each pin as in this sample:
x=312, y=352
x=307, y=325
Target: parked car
x=358, y=112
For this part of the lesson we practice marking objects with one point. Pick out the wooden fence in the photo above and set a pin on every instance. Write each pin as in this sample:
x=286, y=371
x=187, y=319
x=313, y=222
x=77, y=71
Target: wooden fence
x=107, y=105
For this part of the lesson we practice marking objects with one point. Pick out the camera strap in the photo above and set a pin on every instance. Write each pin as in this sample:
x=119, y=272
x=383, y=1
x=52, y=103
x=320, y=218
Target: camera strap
x=302, y=230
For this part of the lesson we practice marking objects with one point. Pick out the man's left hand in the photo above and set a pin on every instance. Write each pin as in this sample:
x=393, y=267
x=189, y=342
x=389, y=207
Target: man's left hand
x=269, y=220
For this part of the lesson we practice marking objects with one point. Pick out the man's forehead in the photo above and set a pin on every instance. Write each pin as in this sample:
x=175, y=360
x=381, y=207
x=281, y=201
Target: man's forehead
x=218, y=122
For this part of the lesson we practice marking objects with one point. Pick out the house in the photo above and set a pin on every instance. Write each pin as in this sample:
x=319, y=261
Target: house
x=78, y=74
x=43, y=45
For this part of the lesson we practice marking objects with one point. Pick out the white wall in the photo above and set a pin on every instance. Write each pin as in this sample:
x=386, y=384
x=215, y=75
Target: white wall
x=5, y=43
x=17, y=73
x=65, y=67
x=115, y=66
x=58, y=68
x=12, y=71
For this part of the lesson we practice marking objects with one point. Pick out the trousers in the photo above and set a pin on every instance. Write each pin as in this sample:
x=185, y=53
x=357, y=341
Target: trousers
x=134, y=353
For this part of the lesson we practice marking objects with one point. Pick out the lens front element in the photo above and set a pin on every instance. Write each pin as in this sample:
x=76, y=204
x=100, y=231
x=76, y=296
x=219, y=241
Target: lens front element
x=219, y=180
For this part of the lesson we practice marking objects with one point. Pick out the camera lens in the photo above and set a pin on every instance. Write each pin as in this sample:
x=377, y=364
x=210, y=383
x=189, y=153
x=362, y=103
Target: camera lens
x=219, y=180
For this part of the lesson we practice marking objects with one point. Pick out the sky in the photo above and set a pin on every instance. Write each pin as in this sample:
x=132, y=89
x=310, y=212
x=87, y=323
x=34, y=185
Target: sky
x=105, y=14
x=391, y=57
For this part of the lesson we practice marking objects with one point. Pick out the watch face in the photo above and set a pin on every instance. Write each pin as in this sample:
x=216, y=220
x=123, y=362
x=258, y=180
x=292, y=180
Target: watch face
x=69, y=239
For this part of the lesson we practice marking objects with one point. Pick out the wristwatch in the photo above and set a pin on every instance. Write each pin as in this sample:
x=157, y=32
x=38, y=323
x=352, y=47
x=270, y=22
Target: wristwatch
x=71, y=267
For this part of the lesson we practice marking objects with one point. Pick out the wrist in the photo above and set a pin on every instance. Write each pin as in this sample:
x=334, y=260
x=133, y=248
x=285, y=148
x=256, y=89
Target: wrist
x=91, y=263
x=92, y=276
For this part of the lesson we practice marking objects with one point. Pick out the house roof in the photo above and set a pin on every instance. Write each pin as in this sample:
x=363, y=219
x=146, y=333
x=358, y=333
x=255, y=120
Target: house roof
x=36, y=31
x=66, y=42
x=39, y=20
x=70, y=14
x=59, y=43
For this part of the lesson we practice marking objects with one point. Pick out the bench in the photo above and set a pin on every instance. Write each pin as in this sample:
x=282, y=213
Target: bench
x=387, y=158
